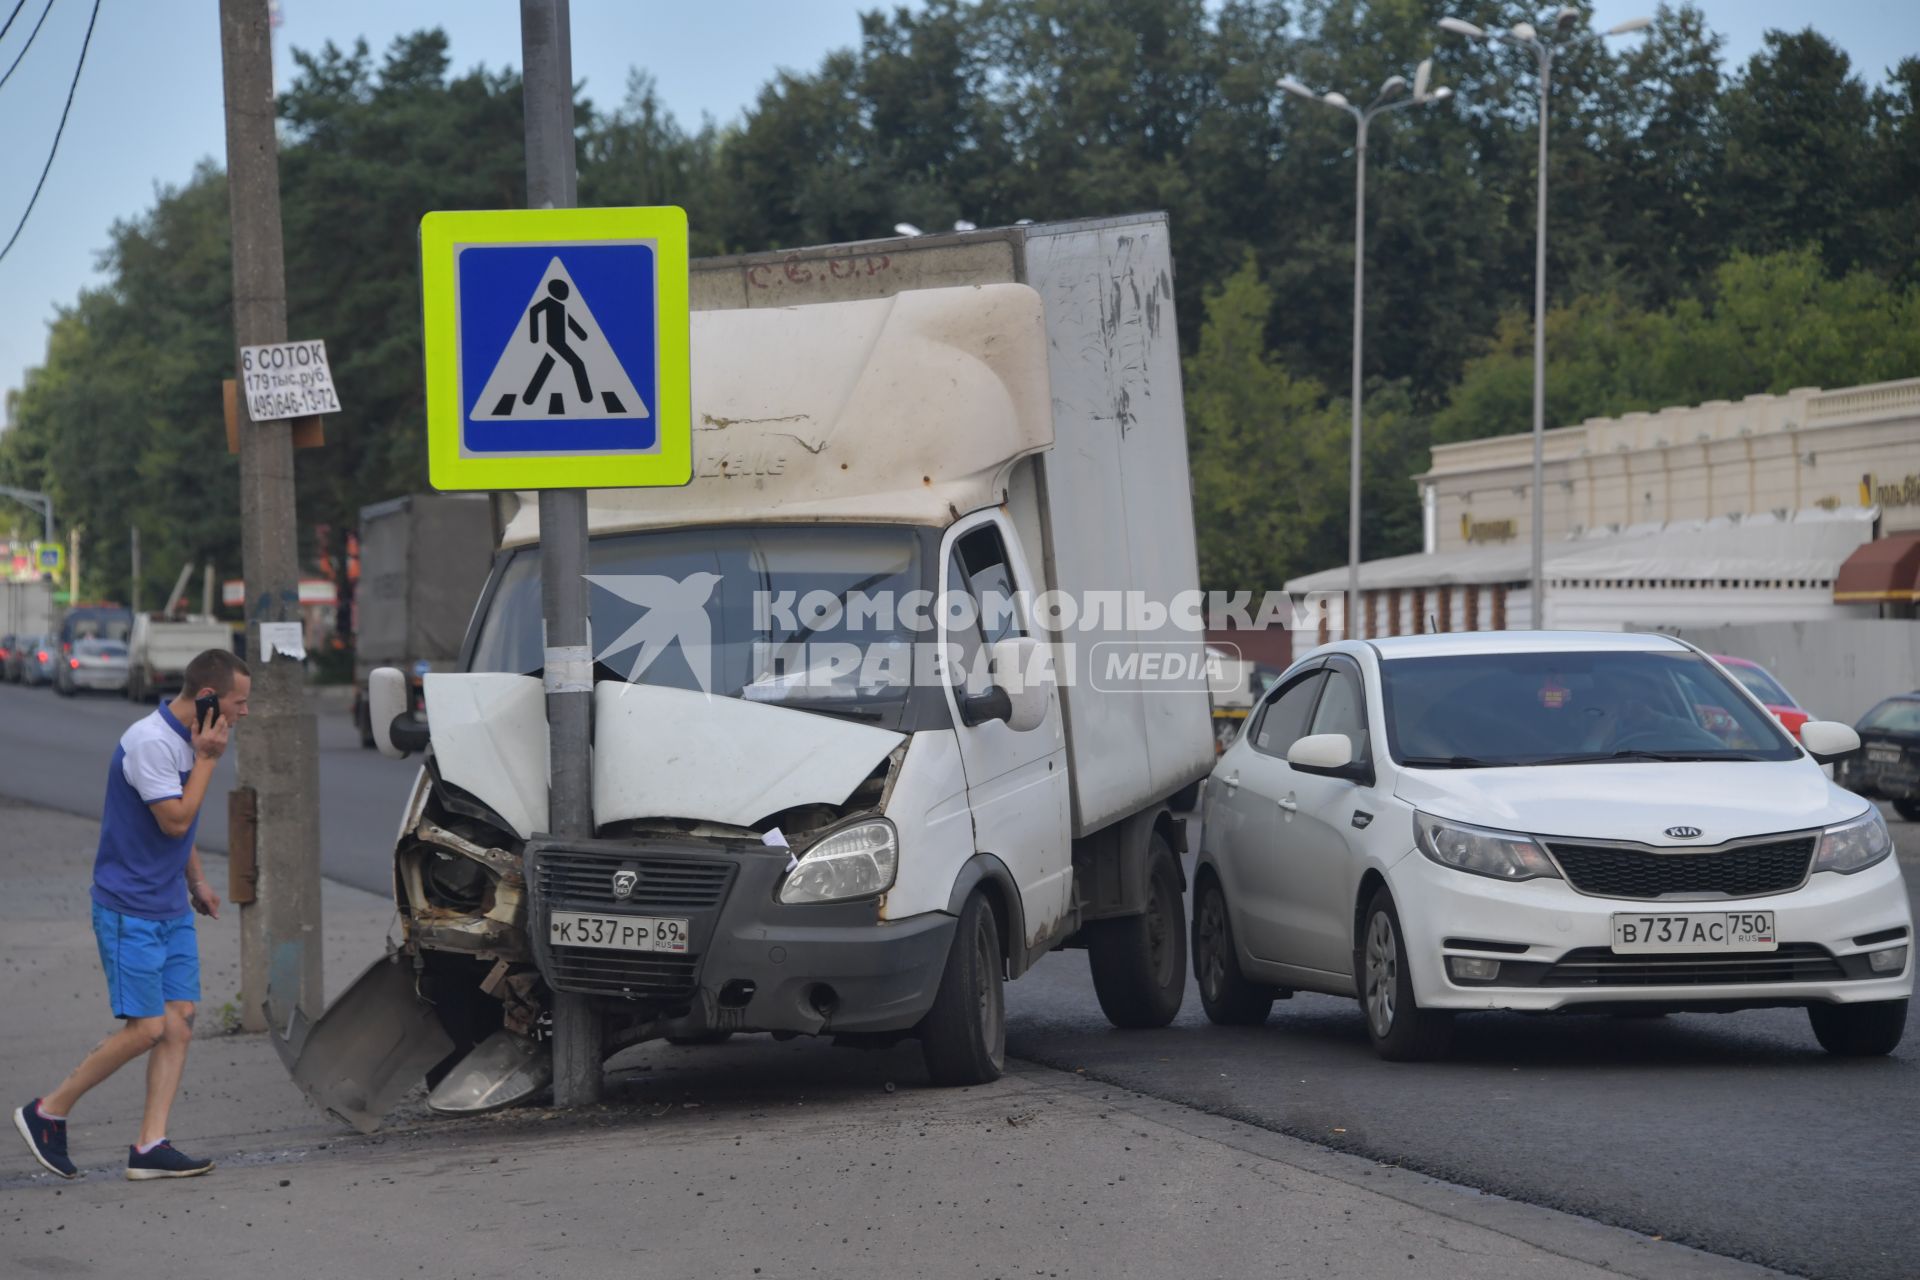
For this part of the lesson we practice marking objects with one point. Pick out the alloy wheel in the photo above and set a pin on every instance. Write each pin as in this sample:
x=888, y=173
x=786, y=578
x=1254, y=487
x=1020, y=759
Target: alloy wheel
x=1383, y=972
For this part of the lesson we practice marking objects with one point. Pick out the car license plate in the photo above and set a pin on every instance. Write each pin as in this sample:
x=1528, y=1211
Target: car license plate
x=616, y=933
x=1883, y=755
x=1712, y=931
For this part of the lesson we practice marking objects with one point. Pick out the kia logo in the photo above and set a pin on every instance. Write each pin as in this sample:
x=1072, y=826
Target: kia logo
x=1678, y=833
x=623, y=882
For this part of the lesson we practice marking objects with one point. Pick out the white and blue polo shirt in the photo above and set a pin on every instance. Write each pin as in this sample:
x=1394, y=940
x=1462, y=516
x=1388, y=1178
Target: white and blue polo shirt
x=140, y=870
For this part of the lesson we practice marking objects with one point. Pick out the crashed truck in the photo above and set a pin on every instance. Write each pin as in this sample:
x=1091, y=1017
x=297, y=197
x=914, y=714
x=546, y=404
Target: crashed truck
x=791, y=843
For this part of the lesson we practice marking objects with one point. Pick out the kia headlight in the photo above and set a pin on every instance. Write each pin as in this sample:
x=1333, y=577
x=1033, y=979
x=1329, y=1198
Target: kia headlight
x=852, y=862
x=1854, y=846
x=1504, y=855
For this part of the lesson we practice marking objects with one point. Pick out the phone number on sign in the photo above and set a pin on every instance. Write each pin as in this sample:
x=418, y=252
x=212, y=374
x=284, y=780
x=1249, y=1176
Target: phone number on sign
x=292, y=404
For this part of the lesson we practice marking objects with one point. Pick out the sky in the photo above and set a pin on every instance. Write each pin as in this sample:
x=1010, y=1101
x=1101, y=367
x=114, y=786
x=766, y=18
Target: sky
x=148, y=104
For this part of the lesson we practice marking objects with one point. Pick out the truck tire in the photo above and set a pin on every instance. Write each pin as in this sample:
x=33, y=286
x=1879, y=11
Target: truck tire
x=1229, y=999
x=363, y=720
x=1139, y=962
x=963, y=1038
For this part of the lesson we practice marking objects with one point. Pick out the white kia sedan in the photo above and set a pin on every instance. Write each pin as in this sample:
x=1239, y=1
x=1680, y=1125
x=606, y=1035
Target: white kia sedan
x=1542, y=821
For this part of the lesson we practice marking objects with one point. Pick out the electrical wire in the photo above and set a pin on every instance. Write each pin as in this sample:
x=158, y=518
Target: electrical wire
x=8, y=24
x=30, y=35
x=54, y=150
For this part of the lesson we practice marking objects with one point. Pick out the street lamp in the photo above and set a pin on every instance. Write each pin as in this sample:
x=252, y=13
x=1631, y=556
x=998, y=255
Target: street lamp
x=1567, y=24
x=1393, y=94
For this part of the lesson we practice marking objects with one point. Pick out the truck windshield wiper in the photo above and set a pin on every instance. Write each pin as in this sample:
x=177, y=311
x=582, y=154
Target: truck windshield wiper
x=1456, y=762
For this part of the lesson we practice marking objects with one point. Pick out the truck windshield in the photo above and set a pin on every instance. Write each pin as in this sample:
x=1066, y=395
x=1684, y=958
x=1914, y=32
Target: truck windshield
x=1571, y=707
x=761, y=613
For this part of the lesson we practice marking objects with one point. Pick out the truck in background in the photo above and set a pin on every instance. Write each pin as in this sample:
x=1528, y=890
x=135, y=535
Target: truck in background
x=423, y=560
x=27, y=609
x=161, y=644
x=786, y=842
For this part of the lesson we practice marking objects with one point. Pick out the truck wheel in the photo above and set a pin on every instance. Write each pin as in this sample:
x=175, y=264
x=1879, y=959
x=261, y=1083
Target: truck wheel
x=963, y=1038
x=1400, y=1029
x=1139, y=962
x=1859, y=1030
x=363, y=720
x=1229, y=999
x=1908, y=809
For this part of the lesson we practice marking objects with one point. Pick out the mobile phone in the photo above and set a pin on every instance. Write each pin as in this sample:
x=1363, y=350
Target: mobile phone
x=205, y=709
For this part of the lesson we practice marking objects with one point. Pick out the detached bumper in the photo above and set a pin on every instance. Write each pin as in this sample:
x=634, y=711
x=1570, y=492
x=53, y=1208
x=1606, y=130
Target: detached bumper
x=752, y=963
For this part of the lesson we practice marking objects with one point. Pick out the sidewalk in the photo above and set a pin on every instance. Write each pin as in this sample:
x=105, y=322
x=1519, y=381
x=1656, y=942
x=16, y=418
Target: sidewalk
x=751, y=1158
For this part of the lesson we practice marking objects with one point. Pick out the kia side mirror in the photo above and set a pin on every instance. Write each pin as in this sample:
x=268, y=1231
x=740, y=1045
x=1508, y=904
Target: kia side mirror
x=1329, y=755
x=395, y=730
x=1828, y=740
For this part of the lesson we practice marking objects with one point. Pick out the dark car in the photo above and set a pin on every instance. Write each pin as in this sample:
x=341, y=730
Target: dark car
x=10, y=658
x=1888, y=764
x=89, y=622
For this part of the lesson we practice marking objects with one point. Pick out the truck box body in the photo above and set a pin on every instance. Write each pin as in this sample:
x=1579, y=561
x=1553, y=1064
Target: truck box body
x=1106, y=511
x=159, y=649
x=29, y=609
x=423, y=559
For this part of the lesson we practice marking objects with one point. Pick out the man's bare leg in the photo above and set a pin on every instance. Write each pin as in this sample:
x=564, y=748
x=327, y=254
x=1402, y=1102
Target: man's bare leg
x=111, y=1054
x=164, y=1069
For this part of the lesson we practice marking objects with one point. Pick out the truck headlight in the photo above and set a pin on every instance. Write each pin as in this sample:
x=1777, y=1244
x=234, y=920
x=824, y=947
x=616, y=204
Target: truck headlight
x=853, y=862
x=1854, y=846
x=1504, y=855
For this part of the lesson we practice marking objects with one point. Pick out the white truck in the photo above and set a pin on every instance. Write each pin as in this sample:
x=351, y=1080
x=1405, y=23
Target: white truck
x=960, y=457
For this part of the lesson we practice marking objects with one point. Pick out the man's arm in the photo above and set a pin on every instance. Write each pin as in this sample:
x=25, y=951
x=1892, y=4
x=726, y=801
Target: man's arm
x=205, y=898
x=176, y=815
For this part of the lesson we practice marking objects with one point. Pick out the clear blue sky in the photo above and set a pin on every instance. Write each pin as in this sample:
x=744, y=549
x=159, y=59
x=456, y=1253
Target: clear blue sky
x=149, y=107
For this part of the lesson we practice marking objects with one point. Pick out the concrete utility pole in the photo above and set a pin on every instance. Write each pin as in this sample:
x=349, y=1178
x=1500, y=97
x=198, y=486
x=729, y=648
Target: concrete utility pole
x=546, y=70
x=279, y=930
x=133, y=592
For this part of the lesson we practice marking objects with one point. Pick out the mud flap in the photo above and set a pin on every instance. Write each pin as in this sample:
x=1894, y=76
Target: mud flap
x=368, y=1049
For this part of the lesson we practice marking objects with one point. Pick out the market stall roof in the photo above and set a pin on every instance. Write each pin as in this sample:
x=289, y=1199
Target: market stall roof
x=1885, y=569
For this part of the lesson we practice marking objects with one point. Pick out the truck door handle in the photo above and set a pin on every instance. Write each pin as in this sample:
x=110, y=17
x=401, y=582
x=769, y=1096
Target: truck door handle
x=1289, y=804
x=1230, y=781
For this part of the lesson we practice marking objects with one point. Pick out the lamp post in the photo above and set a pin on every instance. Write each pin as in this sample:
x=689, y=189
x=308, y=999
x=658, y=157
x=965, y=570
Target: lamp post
x=1388, y=98
x=1524, y=35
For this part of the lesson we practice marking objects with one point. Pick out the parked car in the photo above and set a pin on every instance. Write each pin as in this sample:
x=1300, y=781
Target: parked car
x=1543, y=821
x=1760, y=683
x=38, y=658
x=1889, y=767
x=10, y=658
x=88, y=622
x=97, y=664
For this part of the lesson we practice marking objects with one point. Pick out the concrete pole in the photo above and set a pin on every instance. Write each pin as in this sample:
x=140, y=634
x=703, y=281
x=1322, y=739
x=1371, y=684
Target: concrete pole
x=1539, y=580
x=546, y=68
x=133, y=595
x=1352, y=619
x=280, y=938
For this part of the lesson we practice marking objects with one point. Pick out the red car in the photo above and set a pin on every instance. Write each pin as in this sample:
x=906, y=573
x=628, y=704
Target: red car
x=1761, y=684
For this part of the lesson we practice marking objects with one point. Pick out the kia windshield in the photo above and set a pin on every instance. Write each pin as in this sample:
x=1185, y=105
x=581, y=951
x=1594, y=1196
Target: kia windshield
x=816, y=617
x=1571, y=707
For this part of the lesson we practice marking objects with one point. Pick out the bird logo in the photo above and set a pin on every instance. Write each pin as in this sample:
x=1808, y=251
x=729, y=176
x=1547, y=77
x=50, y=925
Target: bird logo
x=674, y=610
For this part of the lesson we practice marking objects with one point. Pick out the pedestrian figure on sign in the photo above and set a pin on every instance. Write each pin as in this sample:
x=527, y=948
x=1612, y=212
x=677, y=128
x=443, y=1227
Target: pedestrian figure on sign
x=553, y=310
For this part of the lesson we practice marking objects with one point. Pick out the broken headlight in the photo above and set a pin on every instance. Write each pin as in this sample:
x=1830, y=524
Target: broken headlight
x=853, y=862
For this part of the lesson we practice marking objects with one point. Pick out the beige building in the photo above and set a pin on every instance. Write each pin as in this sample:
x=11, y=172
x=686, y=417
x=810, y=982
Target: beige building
x=1723, y=512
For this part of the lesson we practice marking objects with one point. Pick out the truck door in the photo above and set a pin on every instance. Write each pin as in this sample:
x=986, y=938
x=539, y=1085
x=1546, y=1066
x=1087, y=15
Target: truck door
x=1016, y=781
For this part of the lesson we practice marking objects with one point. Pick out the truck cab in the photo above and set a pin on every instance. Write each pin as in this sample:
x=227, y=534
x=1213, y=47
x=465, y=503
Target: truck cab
x=872, y=732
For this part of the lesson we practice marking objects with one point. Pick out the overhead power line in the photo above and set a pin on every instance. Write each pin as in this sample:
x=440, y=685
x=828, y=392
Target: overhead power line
x=30, y=35
x=8, y=25
x=54, y=150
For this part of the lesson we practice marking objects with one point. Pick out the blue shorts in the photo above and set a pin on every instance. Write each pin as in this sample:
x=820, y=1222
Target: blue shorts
x=148, y=962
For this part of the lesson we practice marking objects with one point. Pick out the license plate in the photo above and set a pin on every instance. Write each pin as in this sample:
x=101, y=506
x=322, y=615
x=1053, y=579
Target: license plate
x=1708, y=931
x=1884, y=755
x=616, y=933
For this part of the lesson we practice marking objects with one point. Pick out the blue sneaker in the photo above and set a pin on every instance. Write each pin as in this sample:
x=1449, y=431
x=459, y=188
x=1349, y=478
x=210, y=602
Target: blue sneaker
x=47, y=1139
x=163, y=1162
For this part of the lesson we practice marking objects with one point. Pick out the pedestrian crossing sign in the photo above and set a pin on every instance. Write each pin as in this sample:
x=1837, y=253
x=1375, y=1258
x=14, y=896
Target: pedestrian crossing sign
x=556, y=348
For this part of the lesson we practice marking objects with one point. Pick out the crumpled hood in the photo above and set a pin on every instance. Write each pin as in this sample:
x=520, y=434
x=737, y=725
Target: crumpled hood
x=657, y=753
x=1636, y=801
x=676, y=753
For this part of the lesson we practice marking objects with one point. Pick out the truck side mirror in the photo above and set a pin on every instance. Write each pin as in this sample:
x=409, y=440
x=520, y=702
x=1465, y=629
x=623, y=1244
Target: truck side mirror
x=1013, y=663
x=395, y=731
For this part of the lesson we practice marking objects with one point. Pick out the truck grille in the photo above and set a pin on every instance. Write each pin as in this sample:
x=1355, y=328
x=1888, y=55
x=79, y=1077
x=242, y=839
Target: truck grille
x=578, y=878
x=1747, y=870
x=659, y=979
x=1599, y=967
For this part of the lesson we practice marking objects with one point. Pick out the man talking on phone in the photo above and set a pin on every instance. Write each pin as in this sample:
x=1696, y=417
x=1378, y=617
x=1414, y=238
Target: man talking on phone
x=147, y=884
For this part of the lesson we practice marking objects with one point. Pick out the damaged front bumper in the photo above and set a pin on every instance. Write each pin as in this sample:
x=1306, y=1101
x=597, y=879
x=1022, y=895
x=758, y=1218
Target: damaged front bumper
x=752, y=962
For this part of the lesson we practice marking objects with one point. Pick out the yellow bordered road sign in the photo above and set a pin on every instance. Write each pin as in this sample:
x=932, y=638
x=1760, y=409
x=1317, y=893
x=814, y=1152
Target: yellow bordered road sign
x=556, y=348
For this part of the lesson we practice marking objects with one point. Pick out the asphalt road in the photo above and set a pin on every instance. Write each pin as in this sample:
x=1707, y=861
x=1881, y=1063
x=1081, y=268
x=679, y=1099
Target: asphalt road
x=1734, y=1133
